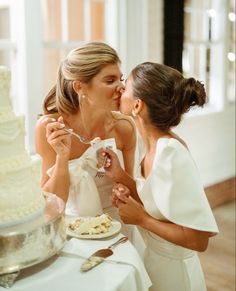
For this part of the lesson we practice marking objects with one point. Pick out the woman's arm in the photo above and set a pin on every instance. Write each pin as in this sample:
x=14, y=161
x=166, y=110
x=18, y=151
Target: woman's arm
x=126, y=136
x=126, y=140
x=53, y=146
x=183, y=236
x=132, y=212
x=117, y=173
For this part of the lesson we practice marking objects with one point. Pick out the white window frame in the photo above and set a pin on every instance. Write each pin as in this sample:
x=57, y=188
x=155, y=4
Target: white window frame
x=121, y=32
x=219, y=101
x=126, y=29
x=26, y=80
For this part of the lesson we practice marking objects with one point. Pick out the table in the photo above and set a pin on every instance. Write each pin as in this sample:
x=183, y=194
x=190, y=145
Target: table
x=123, y=271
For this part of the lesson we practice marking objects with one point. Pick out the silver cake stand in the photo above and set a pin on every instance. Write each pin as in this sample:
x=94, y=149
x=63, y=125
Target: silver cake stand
x=30, y=243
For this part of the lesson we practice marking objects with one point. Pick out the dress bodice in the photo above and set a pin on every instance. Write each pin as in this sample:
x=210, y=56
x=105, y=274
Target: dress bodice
x=88, y=194
x=93, y=191
x=173, y=190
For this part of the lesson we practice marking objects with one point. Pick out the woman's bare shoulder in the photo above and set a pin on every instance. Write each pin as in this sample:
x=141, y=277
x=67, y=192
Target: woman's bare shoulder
x=125, y=129
x=124, y=122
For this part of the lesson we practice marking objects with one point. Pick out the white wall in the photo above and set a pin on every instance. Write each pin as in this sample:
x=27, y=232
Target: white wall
x=155, y=28
x=211, y=140
x=210, y=136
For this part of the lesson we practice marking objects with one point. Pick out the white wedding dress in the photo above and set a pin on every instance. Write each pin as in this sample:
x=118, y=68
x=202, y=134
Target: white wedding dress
x=90, y=195
x=173, y=192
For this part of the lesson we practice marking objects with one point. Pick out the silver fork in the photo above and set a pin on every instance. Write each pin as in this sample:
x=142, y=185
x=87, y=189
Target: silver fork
x=101, y=171
x=82, y=139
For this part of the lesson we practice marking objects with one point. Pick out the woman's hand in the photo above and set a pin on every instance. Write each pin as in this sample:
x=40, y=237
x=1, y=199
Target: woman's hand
x=130, y=211
x=112, y=163
x=119, y=192
x=59, y=140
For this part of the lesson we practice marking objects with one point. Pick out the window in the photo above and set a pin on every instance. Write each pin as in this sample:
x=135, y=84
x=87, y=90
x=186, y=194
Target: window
x=230, y=51
x=6, y=46
x=36, y=35
x=66, y=25
x=206, y=45
x=7, y=40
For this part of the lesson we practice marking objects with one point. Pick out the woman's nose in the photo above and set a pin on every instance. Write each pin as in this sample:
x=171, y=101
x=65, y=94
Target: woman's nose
x=120, y=87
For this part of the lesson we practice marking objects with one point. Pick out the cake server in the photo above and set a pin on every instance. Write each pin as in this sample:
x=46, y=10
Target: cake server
x=99, y=256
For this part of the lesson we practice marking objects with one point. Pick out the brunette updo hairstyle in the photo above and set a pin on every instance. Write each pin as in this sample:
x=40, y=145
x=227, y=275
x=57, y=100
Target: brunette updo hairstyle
x=167, y=94
x=81, y=64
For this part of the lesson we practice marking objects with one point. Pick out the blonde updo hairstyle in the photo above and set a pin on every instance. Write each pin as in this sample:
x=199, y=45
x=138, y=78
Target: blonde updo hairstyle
x=81, y=64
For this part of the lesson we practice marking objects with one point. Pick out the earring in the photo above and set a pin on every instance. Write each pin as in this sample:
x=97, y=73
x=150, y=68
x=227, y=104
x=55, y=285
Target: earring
x=81, y=98
x=133, y=113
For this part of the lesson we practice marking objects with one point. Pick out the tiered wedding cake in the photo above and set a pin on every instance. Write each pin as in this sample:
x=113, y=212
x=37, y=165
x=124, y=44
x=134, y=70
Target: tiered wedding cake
x=21, y=198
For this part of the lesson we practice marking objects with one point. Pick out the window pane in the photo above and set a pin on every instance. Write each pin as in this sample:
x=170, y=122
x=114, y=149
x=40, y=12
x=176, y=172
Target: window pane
x=197, y=63
x=5, y=59
x=203, y=45
x=231, y=81
x=75, y=20
x=67, y=24
x=202, y=22
x=231, y=53
x=51, y=13
x=97, y=18
x=4, y=23
x=52, y=59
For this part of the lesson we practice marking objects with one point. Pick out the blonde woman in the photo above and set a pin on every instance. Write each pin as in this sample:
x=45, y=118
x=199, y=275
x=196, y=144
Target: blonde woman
x=86, y=99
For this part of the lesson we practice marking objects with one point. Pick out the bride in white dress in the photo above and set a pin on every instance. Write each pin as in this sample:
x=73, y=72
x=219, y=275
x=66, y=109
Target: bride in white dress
x=85, y=98
x=167, y=202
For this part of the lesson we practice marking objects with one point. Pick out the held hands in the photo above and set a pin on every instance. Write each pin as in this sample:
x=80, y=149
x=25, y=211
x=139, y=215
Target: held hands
x=59, y=140
x=130, y=211
x=119, y=193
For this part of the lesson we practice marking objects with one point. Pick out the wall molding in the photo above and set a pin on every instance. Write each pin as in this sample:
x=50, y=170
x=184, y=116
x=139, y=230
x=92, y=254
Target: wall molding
x=221, y=193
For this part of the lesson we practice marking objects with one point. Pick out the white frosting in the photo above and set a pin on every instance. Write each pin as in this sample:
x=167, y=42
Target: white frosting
x=20, y=194
x=12, y=136
x=5, y=77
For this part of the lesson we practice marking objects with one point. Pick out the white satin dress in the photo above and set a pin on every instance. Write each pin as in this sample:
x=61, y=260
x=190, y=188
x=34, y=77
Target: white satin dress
x=88, y=194
x=173, y=192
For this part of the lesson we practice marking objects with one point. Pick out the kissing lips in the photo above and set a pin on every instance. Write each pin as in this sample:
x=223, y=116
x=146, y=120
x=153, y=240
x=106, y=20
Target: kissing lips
x=117, y=101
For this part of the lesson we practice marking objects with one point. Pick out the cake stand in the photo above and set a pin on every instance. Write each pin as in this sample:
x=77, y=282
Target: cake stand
x=24, y=245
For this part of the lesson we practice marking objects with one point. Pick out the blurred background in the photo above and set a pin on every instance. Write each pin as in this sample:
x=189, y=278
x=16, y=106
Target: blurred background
x=195, y=36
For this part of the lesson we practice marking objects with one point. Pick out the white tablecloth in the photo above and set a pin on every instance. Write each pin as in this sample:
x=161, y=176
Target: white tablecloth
x=123, y=271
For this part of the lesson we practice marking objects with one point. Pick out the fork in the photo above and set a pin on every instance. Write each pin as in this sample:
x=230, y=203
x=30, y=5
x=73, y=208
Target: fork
x=101, y=171
x=82, y=139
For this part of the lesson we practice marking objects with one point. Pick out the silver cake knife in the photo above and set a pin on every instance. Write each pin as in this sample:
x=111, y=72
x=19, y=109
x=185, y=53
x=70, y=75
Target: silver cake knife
x=99, y=256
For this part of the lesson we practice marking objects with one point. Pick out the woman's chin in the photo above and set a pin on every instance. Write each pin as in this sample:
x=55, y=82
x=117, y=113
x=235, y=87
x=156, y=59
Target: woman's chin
x=115, y=107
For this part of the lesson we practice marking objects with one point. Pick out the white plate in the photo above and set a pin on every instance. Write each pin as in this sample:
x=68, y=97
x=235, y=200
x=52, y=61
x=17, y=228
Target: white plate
x=114, y=229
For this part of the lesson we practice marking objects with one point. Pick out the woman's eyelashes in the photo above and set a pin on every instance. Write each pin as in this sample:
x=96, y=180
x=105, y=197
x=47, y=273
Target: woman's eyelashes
x=110, y=81
x=113, y=80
